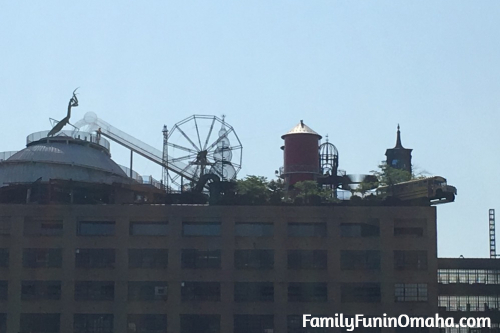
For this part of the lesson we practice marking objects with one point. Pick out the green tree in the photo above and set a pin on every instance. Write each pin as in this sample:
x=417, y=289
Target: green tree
x=389, y=176
x=253, y=189
x=311, y=193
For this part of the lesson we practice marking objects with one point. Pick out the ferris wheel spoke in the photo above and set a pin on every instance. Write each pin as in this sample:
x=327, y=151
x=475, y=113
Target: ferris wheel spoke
x=197, y=131
x=220, y=139
x=187, y=157
x=173, y=145
x=209, y=134
x=187, y=138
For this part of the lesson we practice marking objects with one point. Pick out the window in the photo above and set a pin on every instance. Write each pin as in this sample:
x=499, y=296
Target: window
x=359, y=260
x=95, y=258
x=35, y=227
x=192, y=258
x=410, y=292
x=253, y=292
x=3, y=322
x=306, y=229
x=40, y=290
x=192, y=323
x=37, y=258
x=4, y=287
x=93, y=323
x=4, y=258
x=201, y=229
x=410, y=260
x=360, y=292
x=200, y=291
x=94, y=290
x=253, y=323
x=91, y=228
x=417, y=232
x=148, y=228
x=147, y=258
x=354, y=230
x=254, y=259
x=40, y=323
x=307, y=259
x=413, y=227
x=294, y=325
x=147, y=323
x=307, y=292
x=147, y=290
x=4, y=225
x=254, y=229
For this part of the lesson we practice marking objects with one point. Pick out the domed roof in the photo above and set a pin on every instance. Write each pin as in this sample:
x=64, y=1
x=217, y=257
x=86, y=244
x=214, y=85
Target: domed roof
x=61, y=158
x=301, y=128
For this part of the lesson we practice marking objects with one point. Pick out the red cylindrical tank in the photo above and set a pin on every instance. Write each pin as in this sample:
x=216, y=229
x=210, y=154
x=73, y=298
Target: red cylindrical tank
x=301, y=154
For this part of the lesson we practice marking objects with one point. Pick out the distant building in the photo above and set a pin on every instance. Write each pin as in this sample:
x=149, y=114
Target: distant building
x=469, y=288
x=399, y=157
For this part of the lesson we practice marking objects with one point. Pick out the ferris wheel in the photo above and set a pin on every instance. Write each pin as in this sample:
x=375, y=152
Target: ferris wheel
x=204, y=145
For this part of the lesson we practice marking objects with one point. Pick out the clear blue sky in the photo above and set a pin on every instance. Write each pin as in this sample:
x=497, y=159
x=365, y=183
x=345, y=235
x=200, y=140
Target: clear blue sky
x=352, y=69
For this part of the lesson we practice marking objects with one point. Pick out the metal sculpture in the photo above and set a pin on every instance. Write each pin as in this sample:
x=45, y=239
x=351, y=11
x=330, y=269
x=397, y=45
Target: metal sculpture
x=59, y=126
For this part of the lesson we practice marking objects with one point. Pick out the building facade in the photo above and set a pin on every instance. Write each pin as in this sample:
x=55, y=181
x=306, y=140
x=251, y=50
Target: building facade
x=211, y=269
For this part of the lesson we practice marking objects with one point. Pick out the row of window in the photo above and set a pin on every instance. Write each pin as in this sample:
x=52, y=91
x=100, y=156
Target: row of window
x=469, y=276
x=189, y=323
x=107, y=228
x=155, y=323
x=195, y=258
x=211, y=291
x=469, y=303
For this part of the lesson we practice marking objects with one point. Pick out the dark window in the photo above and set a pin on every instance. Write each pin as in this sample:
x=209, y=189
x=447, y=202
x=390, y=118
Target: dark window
x=93, y=323
x=294, y=325
x=36, y=258
x=359, y=230
x=404, y=231
x=359, y=260
x=4, y=258
x=191, y=323
x=410, y=260
x=254, y=229
x=95, y=258
x=192, y=258
x=147, y=323
x=40, y=290
x=147, y=290
x=307, y=292
x=253, y=292
x=201, y=229
x=94, y=290
x=34, y=227
x=200, y=291
x=91, y=228
x=40, y=323
x=307, y=229
x=360, y=292
x=148, y=228
x=3, y=322
x=4, y=225
x=254, y=259
x=253, y=323
x=410, y=292
x=307, y=259
x=147, y=258
x=4, y=287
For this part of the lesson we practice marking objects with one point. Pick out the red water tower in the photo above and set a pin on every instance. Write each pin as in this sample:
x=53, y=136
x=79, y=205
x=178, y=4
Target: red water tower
x=301, y=154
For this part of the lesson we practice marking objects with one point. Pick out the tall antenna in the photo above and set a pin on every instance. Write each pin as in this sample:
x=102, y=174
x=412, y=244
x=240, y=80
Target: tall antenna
x=165, y=157
x=493, y=250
